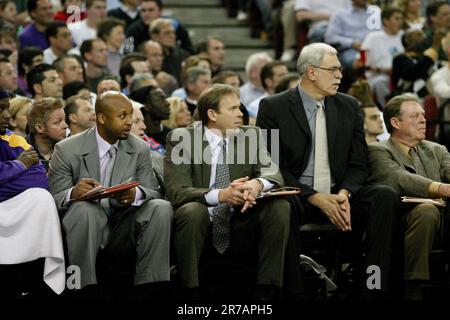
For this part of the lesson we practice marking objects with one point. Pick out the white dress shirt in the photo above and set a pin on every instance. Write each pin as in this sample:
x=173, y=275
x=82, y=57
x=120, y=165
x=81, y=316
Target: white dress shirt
x=212, y=197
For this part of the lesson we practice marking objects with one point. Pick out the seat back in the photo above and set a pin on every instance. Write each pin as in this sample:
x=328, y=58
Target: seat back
x=431, y=115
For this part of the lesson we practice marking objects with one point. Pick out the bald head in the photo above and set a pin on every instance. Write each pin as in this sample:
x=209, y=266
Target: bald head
x=109, y=100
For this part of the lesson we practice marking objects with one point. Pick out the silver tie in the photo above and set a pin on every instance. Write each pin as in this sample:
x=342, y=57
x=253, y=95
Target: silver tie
x=322, y=175
x=106, y=175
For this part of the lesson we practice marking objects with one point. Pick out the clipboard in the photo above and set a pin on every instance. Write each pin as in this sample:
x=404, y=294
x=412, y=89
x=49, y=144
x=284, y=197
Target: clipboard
x=101, y=192
x=279, y=192
x=437, y=202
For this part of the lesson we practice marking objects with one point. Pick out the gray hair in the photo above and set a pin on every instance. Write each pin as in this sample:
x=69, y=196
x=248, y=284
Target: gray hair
x=193, y=73
x=312, y=55
x=256, y=59
x=135, y=82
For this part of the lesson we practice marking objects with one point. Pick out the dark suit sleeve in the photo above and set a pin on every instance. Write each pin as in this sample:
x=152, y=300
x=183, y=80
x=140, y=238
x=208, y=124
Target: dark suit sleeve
x=178, y=171
x=268, y=119
x=357, y=171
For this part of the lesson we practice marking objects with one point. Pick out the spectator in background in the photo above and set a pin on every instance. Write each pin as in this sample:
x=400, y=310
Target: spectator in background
x=440, y=80
x=380, y=57
x=69, y=10
x=287, y=82
x=313, y=13
x=347, y=29
x=18, y=109
x=41, y=12
x=138, y=32
x=140, y=80
x=155, y=109
x=112, y=32
x=8, y=13
x=137, y=63
x=80, y=114
x=411, y=69
x=69, y=68
x=180, y=116
x=60, y=40
x=87, y=28
x=28, y=58
x=76, y=88
x=271, y=75
x=438, y=23
x=8, y=77
x=95, y=53
x=107, y=84
x=253, y=88
x=412, y=15
x=47, y=126
x=373, y=121
x=214, y=50
x=127, y=12
x=196, y=81
x=230, y=78
x=163, y=32
x=44, y=81
x=191, y=61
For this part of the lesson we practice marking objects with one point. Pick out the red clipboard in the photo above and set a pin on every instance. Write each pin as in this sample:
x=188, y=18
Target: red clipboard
x=101, y=192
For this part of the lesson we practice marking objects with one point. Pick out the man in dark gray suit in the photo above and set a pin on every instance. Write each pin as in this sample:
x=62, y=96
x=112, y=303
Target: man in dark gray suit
x=220, y=147
x=108, y=153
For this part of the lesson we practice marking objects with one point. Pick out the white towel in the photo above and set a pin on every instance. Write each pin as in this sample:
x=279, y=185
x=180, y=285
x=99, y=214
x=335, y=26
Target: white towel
x=30, y=229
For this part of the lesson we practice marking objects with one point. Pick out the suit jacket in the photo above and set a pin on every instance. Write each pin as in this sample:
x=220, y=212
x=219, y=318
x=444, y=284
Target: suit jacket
x=347, y=148
x=77, y=157
x=390, y=166
x=189, y=181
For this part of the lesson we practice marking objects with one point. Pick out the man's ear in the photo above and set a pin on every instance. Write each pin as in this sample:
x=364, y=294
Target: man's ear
x=394, y=122
x=37, y=88
x=101, y=118
x=39, y=128
x=73, y=118
x=211, y=115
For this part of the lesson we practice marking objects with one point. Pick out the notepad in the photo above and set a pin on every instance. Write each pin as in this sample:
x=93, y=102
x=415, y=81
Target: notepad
x=437, y=202
x=101, y=192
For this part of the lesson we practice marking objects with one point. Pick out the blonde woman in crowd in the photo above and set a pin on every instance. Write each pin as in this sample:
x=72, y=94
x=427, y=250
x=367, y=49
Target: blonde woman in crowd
x=180, y=116
x=412, y=15
x=19, y=108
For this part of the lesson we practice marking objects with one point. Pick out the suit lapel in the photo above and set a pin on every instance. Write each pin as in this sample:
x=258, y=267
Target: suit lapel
x=298, y=111
x=122, y=162
x=89, y=153
x=204, y=154
x=331, y=114
x=406, y=160
x=427, y=157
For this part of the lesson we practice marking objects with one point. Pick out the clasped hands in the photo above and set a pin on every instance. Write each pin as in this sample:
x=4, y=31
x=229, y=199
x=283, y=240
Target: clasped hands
x=86, y=184
x=241, y=192
x=335, y=206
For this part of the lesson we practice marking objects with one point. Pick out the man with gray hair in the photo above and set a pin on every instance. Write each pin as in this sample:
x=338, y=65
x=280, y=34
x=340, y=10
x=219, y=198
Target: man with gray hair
x=253, y=88
x=418, y=168
x=327, y=159
x=197, y=80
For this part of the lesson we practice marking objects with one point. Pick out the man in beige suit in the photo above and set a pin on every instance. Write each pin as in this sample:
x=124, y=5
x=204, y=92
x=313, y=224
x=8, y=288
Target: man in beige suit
x=224, y=210
x=414, y=167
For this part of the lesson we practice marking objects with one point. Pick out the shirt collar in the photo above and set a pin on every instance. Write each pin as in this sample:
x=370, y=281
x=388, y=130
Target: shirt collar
x=103, y=145
x=213, y=138
x=403, y=147
x=129, y=12
x=309, y=101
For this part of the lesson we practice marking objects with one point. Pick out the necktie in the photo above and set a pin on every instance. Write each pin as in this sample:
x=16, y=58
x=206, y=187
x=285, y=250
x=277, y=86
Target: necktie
x=420, y=169
x=221, y=214
x=322, y=175
x=106, y=175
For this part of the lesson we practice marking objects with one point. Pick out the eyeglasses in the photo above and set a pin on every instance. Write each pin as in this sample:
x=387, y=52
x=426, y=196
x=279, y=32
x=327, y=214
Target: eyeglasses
x=332, y=69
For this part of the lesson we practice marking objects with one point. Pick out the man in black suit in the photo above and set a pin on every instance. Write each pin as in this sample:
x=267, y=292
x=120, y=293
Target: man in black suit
x=322, y=150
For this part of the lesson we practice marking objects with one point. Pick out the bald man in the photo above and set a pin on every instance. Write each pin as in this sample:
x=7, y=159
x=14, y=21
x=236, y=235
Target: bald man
x=133, y=227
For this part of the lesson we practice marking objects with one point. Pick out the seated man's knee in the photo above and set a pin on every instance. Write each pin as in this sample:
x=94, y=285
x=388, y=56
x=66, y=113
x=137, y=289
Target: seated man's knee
x=387, y=194
x=192, y=212
x=84, y=212
x=280, y=211
x=425, y=213
x=162, y=208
